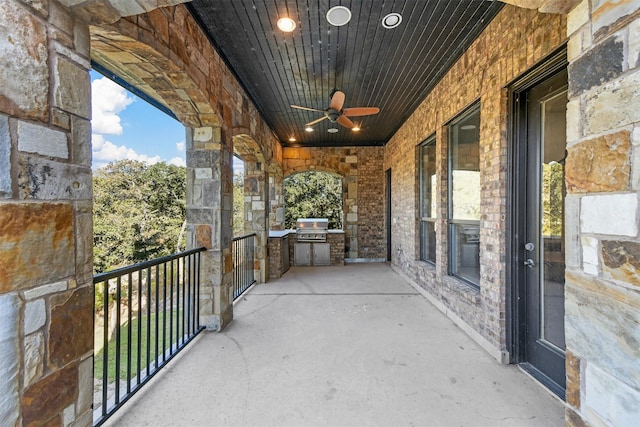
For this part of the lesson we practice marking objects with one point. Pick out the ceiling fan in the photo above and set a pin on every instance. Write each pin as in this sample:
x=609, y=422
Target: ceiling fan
x=336, y=114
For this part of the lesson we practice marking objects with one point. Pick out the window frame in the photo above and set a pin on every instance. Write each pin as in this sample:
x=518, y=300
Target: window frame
x=425, y=220
x=454, y=223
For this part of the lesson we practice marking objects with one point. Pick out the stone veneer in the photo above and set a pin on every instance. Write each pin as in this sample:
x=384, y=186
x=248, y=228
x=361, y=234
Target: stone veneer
x=510, y=45
x=603, y=238
x=363, y=184
x=46, y=243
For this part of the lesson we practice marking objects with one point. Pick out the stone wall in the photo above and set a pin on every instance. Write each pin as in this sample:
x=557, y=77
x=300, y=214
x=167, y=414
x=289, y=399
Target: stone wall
x=46, y=270
x=511, y=44
x=363, y=201
x=603, y=240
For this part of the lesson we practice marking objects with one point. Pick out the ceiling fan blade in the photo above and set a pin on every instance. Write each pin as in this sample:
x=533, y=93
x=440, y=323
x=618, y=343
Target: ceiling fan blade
x=316, y=121
x=344, y=121
x=360, y=111
x=337, y=100
x=307, y=108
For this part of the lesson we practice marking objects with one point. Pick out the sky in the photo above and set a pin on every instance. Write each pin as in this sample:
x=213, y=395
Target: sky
x=124, y=126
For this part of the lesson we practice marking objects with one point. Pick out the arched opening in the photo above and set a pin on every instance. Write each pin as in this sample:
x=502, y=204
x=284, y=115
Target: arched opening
x=314, y=194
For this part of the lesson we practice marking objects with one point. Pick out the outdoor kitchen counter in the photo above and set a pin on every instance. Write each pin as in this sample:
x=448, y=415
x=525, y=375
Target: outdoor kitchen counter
x=281, y=247
x=279, y=252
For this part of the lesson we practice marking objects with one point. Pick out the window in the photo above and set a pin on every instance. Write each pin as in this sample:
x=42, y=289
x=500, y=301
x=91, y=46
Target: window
x=464, y=197
x=427, y=153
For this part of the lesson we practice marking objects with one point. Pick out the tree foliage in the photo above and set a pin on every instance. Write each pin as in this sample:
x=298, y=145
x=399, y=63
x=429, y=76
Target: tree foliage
x=313, y=195
x=238, y=204
x=139, y=211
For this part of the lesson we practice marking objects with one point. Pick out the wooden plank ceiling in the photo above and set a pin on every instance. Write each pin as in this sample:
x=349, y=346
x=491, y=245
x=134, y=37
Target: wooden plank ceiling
x=393, y=69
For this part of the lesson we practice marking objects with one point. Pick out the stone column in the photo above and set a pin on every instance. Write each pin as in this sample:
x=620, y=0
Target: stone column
x=209, y=217
x=276, y=200
x=602, y=211
x=46, y=237
x=350, y=207
x=256, y=218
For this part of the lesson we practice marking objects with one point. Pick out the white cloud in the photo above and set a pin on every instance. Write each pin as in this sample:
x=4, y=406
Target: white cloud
x=105, y=151
x=177, y=161
x=107, y=100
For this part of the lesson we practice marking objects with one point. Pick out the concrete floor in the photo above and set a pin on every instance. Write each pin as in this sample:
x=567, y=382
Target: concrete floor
x=339, y=346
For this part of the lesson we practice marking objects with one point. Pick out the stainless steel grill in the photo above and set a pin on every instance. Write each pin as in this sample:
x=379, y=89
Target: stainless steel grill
x=312, y=229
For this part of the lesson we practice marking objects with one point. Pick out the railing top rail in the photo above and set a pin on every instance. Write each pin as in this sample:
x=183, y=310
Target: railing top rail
x=244, y=237
x=101, y=277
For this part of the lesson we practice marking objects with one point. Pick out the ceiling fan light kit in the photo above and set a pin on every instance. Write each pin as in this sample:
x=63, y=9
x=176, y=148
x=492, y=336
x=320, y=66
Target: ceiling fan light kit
x=338, y=16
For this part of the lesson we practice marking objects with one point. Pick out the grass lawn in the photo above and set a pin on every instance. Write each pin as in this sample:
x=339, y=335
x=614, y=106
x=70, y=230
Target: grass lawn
x=133, y=345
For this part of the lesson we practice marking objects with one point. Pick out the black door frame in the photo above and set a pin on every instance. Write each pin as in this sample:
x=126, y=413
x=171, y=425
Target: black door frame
x=516, y=190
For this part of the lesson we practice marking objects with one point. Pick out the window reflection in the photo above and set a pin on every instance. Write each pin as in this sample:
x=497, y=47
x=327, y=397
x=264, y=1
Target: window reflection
x=464, y=197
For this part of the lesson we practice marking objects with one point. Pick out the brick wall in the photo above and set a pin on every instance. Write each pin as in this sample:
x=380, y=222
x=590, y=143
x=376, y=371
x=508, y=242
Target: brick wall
x=512, y=43
x=363, y=197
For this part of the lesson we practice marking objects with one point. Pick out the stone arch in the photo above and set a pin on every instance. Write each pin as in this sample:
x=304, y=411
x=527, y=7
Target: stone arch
x=343, y=194
x=153, y=73
x=246, y=147
x=256, y=192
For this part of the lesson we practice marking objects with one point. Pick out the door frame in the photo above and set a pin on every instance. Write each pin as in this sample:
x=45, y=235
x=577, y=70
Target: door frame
x=516, y=189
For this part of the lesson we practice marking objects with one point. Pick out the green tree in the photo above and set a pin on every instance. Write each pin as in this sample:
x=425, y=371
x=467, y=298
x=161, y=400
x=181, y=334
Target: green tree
x=139, y=212
x=313, y=195
x=238, y=204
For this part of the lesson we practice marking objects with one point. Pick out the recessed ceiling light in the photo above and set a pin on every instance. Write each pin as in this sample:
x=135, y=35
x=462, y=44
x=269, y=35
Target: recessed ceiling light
x=286, y=24
x=467, y=127
x=355, y=129
x=338, y=16
x=392, y=20
x=308, y=129
x=332, y=130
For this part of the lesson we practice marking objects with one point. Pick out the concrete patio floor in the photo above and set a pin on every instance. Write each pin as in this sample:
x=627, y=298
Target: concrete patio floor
x=339, y=346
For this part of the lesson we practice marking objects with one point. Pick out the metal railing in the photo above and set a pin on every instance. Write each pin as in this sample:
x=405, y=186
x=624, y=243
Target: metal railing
x=243, y=258
x=144, y=315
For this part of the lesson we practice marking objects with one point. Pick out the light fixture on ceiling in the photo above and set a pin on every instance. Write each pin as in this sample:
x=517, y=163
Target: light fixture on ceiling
x=392, y=20
x=332, y=130
x=308, y=129
x=292, y=139
x=286, y=24
x=355, y=129
x=338, y=16
x=467, y=127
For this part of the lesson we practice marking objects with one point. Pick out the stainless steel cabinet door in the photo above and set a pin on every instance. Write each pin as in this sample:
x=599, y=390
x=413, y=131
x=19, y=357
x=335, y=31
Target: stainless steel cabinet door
x=302, y=254
x=321, y=254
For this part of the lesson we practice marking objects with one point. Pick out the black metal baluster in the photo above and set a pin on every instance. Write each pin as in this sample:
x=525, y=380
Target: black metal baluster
x=117, y=355
x=105, y=348
x=157, y=290
x=149, y=299
x=171, y=309
x=139, y=340
x=164, y=312
x=129, y=341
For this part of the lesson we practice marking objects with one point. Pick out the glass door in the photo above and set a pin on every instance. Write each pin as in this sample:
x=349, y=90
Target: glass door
x=540, y=245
